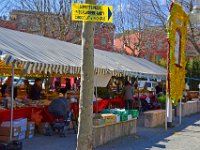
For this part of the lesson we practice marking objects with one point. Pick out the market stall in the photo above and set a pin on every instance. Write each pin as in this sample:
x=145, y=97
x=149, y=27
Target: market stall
x=39, y=55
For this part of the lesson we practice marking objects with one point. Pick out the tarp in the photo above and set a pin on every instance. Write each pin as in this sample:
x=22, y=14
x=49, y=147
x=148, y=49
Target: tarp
x=40, y=54
x=102, y=80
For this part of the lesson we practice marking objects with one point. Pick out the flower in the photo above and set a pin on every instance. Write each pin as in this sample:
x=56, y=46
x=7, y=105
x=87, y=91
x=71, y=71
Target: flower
x=177, y=33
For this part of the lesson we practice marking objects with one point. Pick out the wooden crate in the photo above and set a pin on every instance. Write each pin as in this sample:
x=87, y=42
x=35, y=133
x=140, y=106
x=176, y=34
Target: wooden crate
x=109, y=118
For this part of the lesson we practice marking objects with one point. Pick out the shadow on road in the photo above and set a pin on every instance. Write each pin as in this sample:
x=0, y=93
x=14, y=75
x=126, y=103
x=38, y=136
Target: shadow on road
x=157, y=138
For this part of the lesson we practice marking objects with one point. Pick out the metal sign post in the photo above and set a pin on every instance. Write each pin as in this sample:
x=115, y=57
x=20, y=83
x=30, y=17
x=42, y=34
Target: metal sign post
x=180, y=112
x=12, y=100
x=166, y=109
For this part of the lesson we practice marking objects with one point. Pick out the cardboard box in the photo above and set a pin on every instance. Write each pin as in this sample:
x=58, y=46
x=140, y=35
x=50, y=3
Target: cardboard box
x=129, y=117
x=5, y=131
x=29, y=134
x=22, y=135
x=7, y=124
x=30, y=126
x=98, y=122
x=22, y=122
x=7, y=138
x=109, y=118
x=117, y=118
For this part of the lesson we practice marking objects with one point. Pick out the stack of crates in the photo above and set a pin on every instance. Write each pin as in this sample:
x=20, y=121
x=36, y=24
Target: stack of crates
x=134, y=113
x=122, y=113
x=124, y=116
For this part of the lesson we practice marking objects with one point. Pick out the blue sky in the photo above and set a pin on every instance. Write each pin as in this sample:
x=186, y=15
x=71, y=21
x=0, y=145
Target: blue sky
x=116, y=7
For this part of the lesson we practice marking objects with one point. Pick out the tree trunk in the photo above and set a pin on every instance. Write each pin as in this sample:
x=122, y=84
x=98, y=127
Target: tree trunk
x=84, y=137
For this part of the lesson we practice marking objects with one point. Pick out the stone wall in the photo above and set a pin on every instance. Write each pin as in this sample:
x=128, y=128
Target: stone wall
x=105, y=133
x=155, y=118
x=188, y=108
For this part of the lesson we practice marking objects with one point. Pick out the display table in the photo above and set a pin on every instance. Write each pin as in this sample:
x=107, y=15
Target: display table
x=26, y=113
x=99, y=105
x=105, y=133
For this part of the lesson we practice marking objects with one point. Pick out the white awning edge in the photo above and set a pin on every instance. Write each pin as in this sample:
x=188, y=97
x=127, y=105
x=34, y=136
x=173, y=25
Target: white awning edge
x=40, y=54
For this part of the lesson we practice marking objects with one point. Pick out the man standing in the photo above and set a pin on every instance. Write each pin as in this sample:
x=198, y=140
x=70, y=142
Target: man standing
x=35, y=92
x=128, y=95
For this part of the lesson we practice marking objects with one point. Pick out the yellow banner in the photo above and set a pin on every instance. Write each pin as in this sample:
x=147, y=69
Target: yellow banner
x=92, y=13
x=177, y=35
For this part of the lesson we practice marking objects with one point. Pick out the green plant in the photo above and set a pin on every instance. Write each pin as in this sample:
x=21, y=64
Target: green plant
x=193, y=72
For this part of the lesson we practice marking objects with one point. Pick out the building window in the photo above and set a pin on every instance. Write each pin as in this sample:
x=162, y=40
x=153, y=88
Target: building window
x=159, y=45
x=103, y=41
x=159, y=57
x=148, y=45
x=147, y=57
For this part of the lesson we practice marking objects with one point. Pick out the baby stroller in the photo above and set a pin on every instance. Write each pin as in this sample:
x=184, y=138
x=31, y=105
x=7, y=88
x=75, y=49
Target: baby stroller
x=59, y=108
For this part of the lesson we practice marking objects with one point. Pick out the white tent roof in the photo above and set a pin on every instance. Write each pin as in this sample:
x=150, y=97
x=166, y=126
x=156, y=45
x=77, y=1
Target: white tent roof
x=39, y=53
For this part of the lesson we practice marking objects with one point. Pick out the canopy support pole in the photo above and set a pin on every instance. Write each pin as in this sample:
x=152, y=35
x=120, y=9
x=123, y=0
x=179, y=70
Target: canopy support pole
x=96, y=100
x=12, y=100
x=96, y=96
x=169, y=113
x=180, y=112
x=166, y=110
x=139, y=102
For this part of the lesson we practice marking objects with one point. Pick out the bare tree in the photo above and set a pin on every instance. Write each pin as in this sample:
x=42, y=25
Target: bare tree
x=84, y=141
x=132, y=23
x=53, y=16
x=161, y=15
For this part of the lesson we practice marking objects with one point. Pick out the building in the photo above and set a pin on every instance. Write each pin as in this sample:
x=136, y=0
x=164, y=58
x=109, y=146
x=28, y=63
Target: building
x=150, y=44
x=8, y=24
x=62, y=28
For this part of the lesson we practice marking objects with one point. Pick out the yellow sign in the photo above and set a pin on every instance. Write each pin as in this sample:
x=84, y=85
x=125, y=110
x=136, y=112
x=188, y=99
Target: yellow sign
x=91, y=13
x=177, y=35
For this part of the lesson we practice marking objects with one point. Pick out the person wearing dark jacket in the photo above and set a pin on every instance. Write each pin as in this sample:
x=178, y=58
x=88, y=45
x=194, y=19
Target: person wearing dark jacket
x=159, y=88
x=6, y=89
x=36, y=89
x=67, y=87
x=59, y=107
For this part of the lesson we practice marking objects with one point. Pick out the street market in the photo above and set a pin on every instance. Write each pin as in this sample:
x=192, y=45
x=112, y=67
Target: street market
x=100, y=73
x=36, y=65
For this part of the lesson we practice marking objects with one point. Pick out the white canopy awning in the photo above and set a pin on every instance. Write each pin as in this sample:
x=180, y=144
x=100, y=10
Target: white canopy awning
x=38, y=53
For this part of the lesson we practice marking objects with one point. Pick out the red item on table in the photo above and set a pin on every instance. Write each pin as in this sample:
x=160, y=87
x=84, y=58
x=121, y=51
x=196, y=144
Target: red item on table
x=26, y=113
x=36, y=116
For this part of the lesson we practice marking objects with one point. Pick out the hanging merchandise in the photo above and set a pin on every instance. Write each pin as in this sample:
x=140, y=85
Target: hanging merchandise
x=177, y=33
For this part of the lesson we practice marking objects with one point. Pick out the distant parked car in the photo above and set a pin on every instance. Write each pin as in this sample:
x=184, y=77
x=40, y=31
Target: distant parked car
x=19, y=81
x=147, y=85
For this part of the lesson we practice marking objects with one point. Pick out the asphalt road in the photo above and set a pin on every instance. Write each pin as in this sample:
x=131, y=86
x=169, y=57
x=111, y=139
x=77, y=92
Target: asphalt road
x=184, y=137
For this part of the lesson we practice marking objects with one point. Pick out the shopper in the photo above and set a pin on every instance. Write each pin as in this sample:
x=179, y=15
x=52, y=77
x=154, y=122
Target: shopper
x=159, y=88
x=67, y=87
x=36, y=89
x=27, y=87
x=6, y=89
x=68, y=84
x=128, y=93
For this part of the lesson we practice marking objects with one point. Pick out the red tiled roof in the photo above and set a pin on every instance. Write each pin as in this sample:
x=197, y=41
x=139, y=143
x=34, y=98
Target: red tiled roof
x=8, y=24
